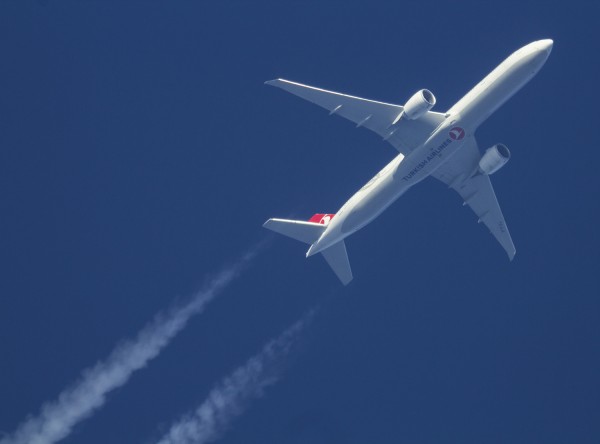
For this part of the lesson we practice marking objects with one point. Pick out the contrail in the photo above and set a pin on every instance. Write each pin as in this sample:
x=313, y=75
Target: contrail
x=77, y=402
x=229, y=398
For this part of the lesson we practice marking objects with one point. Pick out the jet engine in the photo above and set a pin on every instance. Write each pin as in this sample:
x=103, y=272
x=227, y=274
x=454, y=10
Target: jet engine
x=493, y=159
x=421, y=102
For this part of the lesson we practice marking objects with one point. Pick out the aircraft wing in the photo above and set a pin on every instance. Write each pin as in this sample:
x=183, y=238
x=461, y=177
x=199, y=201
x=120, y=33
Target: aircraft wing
x=405, y=136
x=476, y=191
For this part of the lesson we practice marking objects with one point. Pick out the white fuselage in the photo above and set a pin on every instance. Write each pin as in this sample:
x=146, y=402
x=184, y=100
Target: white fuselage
x=461, y=122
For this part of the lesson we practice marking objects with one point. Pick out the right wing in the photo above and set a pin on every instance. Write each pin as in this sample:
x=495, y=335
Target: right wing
x=476, y=191
x=405, y=136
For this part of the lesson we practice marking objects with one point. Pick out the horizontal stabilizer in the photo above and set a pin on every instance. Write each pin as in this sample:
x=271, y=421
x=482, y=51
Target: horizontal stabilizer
x=307, y=232
x=337, y=258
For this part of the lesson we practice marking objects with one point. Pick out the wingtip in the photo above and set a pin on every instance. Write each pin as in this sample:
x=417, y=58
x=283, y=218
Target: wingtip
x=272, y=82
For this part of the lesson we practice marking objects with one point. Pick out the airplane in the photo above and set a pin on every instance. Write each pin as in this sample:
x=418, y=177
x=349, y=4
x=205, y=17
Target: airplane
x=441, y=145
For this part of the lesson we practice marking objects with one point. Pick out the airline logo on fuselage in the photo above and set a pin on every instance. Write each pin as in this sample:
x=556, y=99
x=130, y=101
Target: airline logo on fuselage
x=456, y=133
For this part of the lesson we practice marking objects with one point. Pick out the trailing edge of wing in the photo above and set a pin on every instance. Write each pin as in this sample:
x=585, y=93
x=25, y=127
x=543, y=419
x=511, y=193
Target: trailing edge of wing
x=377, y=116
x=476, y=191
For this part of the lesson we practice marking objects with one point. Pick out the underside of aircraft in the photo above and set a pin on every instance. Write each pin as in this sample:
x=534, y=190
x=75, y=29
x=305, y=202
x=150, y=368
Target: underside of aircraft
x=441, y=145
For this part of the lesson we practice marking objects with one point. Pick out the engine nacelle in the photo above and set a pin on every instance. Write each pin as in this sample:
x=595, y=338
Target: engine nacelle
x=421, y=102
x=493, y=159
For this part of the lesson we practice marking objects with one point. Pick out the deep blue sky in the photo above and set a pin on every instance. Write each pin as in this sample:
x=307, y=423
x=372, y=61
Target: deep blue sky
x=140, y=152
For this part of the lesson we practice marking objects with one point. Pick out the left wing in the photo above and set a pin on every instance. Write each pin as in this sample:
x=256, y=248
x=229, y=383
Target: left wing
x=476, y=191
x=405, y=136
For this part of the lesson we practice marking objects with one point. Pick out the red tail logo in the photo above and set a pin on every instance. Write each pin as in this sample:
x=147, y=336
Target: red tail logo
x=321, y=218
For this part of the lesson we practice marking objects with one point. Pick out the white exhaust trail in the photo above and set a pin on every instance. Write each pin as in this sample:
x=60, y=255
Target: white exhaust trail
x=77, y=402
x=229, y=398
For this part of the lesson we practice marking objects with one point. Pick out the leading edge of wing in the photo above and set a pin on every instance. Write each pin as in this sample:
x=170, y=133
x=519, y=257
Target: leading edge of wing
x=296, y=88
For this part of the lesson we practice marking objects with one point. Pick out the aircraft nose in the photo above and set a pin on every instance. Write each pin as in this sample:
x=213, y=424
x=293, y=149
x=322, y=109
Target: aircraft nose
x=546, y=45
